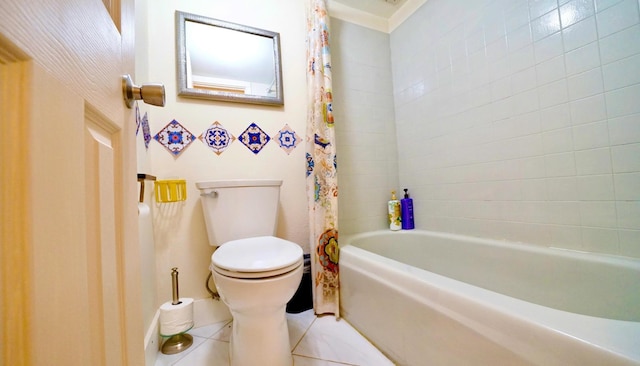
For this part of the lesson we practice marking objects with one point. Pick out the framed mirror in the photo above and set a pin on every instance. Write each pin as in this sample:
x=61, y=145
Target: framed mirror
x=219, y=60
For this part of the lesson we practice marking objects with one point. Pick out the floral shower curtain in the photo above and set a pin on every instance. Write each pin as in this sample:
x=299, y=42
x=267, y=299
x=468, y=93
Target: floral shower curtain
x=322, y=181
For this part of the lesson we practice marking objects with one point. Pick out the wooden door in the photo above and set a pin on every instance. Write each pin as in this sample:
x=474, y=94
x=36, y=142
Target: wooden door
x=69, y=256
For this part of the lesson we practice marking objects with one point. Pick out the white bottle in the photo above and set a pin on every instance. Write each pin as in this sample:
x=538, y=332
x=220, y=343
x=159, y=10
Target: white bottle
x=395, y=222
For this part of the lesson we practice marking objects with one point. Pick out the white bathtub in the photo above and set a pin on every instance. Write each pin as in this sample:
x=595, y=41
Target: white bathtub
x=428, y=298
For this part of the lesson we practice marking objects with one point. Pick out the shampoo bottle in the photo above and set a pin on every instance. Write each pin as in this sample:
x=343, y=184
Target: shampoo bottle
x=407, y=211
x=394, y=212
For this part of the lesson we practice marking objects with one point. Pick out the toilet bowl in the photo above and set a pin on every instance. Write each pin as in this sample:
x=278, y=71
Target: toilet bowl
x=256, y=277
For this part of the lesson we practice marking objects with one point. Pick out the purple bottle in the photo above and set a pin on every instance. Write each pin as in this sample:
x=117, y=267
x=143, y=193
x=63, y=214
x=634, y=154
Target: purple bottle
x=406, y=206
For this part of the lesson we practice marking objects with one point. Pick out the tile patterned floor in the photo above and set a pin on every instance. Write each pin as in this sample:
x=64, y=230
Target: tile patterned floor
x=315, y=341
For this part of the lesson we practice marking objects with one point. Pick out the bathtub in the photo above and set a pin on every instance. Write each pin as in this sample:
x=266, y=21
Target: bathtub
x=426, y=298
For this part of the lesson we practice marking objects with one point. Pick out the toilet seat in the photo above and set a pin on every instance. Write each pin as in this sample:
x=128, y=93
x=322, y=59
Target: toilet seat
x=255, y=275
x=256, y=257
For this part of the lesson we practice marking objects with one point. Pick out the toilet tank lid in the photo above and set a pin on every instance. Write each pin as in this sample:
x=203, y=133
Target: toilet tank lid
x=238, y=183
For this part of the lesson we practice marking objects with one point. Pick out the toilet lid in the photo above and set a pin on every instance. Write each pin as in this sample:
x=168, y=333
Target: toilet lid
x=255, y=256
x=256, y=275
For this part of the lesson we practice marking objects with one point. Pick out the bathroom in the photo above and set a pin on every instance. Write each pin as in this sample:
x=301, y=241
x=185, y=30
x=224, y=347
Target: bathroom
x=503, y=121
x=511, y=120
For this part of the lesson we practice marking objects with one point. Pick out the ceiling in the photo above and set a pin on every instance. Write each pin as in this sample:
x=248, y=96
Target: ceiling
x=382, y=8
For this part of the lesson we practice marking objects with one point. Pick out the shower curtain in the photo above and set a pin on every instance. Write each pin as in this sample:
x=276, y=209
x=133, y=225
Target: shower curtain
x=322, y=181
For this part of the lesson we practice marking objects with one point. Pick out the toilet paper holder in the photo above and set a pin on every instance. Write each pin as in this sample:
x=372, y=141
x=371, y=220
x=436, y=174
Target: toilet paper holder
x=181, y=341
x=141, y=178
x=174, y=287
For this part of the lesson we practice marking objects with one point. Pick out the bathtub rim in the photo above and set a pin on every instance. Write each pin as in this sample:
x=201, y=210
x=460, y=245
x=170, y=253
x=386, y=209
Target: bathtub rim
x=612, y=337
x=563, y=252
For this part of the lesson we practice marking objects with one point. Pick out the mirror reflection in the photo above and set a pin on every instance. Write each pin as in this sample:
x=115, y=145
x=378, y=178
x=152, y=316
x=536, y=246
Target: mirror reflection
x=225, y=61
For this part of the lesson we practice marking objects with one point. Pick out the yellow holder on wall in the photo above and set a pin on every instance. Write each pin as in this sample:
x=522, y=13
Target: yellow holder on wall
x=171, y=190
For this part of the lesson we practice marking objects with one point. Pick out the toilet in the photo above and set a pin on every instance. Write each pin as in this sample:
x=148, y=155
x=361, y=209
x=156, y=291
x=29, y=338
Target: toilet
x=255, y=272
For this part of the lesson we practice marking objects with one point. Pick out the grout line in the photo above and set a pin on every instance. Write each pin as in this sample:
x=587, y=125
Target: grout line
x=322, y=359
x=304, y=334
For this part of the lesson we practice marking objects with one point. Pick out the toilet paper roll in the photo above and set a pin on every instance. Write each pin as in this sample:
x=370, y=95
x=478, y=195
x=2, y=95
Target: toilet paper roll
x=176, y=319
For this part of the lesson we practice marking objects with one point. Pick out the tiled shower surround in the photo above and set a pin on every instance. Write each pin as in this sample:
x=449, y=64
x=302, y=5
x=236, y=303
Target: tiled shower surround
x=365, y=133
x=514, y=119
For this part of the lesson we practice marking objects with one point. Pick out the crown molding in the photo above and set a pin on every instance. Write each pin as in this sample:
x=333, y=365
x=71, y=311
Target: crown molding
x=357, y=16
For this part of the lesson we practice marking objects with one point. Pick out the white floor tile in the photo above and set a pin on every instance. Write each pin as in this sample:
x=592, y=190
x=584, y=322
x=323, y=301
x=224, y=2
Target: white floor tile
x=224, y=334
x=306, y=361
x=298, y=324
x=168, y=360
x=211, y=352
x=315, y=342
x=331, y=340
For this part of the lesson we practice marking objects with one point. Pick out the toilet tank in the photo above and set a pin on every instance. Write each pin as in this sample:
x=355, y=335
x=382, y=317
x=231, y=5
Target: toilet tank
x=237, y=209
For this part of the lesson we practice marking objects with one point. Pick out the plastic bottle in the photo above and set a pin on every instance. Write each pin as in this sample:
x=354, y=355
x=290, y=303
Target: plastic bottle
x=394, y=213
x=407, y=211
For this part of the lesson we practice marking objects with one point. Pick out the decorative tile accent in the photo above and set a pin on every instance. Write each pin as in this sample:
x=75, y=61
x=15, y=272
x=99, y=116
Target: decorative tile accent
x=137, y=119
x=287, y=138
x=174, y=137
x=146, y=131
x=254, y=138
x=217, y=138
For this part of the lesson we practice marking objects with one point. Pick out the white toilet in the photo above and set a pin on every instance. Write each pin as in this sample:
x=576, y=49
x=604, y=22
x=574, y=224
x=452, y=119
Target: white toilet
x=256, y=273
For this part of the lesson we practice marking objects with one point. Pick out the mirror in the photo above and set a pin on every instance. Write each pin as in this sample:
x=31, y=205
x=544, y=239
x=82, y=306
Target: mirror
x=224, y=61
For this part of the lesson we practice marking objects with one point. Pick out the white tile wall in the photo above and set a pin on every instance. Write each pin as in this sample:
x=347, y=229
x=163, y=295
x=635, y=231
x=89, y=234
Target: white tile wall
x=618, y=17
x=529, y=128
x=514, y=119
x=620, y=45
x=580, y=34
x=624, y=130
x=363, y=109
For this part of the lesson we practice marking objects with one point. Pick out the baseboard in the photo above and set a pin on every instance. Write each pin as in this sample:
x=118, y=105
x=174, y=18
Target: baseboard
x=152, y=341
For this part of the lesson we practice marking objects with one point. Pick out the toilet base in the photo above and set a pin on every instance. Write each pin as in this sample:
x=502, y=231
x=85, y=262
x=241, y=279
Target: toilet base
x=259, y=333
x=260, y=338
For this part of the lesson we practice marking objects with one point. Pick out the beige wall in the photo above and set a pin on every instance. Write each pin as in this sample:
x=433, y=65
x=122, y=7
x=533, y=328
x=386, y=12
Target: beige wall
x=180, y=234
